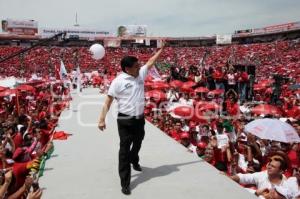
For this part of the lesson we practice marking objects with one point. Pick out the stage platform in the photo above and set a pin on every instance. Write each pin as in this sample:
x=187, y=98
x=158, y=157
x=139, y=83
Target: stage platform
x=86, y=165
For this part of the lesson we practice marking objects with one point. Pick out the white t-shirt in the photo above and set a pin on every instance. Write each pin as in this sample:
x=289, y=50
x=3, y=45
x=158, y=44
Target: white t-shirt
x=260, y=179
x=172, y=96
x=185, y=128
x=189, y=102
x=129, y=92
x=198, y=78
x=243, y=163
x=231, y=79
x=293, y=186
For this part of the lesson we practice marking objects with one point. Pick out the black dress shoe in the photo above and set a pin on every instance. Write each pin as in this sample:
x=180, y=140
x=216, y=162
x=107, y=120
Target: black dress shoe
x=137, y=167
x=126, y=190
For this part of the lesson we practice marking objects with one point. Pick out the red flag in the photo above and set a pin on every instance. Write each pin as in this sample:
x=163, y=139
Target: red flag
x=61, y=135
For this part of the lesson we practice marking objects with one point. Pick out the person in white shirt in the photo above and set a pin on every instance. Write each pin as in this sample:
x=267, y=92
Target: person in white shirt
x=172, y=95
x=186, y=100
x=294, y=185
x=128, y=89
x=265, y=180
x=231, y=80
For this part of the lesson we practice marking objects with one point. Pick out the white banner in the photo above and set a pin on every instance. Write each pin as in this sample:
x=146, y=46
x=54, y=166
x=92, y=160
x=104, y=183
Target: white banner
x=22, y=27
x=159, y=43
x=74, y=31
x=154, y=73
x=115, y=43
x=132, y=30
x=224, y=39
x=147, y=42
x=140, y=41
x=11, y=23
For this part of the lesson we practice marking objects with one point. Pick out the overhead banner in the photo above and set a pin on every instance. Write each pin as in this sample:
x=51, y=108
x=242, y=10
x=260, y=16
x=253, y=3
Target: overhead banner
x=73, y=32
x=132, y=30
x=243, y=32
x=159, y=43
x=147, y=42
x=20, y=27
x=224, y=39
x=139, y=40
x=114, y=43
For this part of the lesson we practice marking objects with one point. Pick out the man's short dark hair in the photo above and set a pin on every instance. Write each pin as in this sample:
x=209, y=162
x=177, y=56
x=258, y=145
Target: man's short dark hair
x=281, y=157
x=128, y=61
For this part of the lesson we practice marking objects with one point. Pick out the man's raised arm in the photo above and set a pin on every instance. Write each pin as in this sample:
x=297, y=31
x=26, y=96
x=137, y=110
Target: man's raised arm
x=153, y=59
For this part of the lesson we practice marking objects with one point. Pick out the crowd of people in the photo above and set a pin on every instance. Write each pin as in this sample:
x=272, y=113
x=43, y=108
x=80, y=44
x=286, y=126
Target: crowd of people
x=28, y=116
x=226, y=95
x=226, y=85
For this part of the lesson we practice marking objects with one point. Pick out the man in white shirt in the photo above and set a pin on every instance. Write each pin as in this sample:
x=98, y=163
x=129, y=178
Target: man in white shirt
x=128, y=89
x=268, y=179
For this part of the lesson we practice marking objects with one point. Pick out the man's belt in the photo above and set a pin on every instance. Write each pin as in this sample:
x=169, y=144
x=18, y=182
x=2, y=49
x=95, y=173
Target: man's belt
x=124, y=116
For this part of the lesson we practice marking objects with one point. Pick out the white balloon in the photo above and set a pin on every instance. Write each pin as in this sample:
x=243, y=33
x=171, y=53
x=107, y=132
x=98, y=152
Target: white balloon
x=97, y=51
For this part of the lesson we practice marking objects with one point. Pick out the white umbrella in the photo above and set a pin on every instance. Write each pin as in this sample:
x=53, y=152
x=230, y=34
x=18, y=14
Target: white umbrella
x=272, y=129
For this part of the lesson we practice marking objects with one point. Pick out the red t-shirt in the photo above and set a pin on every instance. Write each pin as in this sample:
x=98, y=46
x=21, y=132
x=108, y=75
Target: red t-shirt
x=45, y=137
x=294, y=159
x=42, y=115
x=18, y=140
x=20, y=171
x=175, y=135
x=232, y=108
x=218, y=75
x=244, y=77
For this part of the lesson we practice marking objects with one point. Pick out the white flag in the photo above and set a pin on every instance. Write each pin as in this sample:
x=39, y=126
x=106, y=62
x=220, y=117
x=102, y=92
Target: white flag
x=62, y=70
x=154, y=73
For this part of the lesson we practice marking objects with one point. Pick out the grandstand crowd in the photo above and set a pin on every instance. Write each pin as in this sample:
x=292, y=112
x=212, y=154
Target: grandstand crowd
x=224, y=84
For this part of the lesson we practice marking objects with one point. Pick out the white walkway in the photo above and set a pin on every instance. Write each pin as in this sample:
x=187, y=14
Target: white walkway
x=85, y=166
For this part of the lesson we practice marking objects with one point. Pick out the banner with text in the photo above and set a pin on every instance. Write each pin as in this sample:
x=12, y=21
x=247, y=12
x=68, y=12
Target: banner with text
x=20, y=27
x=132, y=30
x=79, y=32
x=224, y=39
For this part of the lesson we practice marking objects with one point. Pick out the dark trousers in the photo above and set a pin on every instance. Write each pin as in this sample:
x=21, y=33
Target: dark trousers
x=131, y=132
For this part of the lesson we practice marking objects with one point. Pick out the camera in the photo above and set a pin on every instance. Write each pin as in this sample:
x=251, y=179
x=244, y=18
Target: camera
x=2, y=176
x=35, y=186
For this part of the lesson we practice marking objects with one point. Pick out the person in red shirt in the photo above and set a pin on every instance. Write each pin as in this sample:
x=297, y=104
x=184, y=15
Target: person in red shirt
x=231, y=104
x=293, y=156
x=219, y=78
x=185, y=139
x=175, y=133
